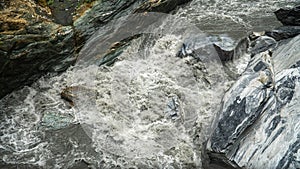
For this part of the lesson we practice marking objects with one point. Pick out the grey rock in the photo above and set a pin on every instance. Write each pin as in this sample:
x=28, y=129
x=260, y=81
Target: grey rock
x=257, y=124
x=261, y=44
x=232, y=53
x=100, y=14
x=284, y=32
x=160, y=5
x=289, y=16
x=104, y=11
x=199, y=47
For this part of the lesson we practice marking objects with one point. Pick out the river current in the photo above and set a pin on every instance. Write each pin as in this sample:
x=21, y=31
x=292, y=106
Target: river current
x=150, y=109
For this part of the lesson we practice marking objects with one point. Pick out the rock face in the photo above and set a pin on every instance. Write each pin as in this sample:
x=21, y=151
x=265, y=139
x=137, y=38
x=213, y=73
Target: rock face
x=289, y=16
x=104, y=11
x=30, y=44
x=35, y=37
x=160, y=5
x=258, y=124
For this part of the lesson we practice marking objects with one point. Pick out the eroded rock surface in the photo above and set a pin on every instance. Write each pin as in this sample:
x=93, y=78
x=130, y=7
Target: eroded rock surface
x=289, y=16
x=39, y=36
x=257, y=126
x=31, y=45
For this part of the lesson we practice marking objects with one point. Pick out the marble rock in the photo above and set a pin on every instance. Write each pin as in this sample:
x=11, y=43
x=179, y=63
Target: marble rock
x=258, y=124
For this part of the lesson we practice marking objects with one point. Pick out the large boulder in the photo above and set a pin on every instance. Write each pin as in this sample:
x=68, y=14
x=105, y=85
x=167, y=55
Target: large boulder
x=106, y=10
x=289, y=16
x=39, y=36
x=31, y=44
x=258, y=124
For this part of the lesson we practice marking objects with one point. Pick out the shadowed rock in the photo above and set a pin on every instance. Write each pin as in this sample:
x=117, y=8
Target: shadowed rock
x=289, y=16
x=33, y=40
x=160, y=5
x=31, y=45
x=284, y=32
x=106, y=10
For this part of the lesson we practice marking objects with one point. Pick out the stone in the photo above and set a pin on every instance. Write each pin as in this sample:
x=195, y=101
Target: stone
x=289, y=16
x=255, y=127
x=104, y=11
x=160, y=5
x=232, y=53
x=31, y=45
x=284, y=32
x=72, y=94
x=100, y=14
x=39, y=36
x=116, y=50
x=262, y=44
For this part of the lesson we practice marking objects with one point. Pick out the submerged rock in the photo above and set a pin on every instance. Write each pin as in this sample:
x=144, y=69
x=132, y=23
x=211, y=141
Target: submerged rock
x=253, y=129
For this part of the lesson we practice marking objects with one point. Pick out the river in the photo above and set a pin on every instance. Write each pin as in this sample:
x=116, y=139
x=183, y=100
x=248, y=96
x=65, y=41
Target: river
x=150, y=109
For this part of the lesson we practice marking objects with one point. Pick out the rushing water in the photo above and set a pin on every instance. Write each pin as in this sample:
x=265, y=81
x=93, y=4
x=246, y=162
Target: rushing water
x=149, y=110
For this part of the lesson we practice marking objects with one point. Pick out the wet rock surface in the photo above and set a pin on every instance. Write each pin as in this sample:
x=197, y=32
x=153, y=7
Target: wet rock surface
x=42, y=36
x=104, y=11
x=31, y=45
x=289, y=16
x=284, y=32
x=256, y=126
x=160, y=5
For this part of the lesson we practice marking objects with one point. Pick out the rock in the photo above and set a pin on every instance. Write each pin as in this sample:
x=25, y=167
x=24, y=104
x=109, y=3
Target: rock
x=31, y=45
x=232, y=53
x=199, y=47
x=262, y=44
x=224, y=54
x=160, y=5
x=104, y=11
x=116, y=50
x=69, y=94
x=256, y=126
x=100, y=14
x=284, y=32
x=64, y=12
x=242, y=102
x=52, y=120
x=75, y=94
x=289, y=16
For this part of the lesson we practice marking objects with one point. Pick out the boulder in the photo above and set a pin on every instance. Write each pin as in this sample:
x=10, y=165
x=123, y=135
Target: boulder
x=31, y=44
x=289, y=16
x=257, y=124
x=284, y=32
x=160, y=5
x=39, y=36
x=106, y=10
